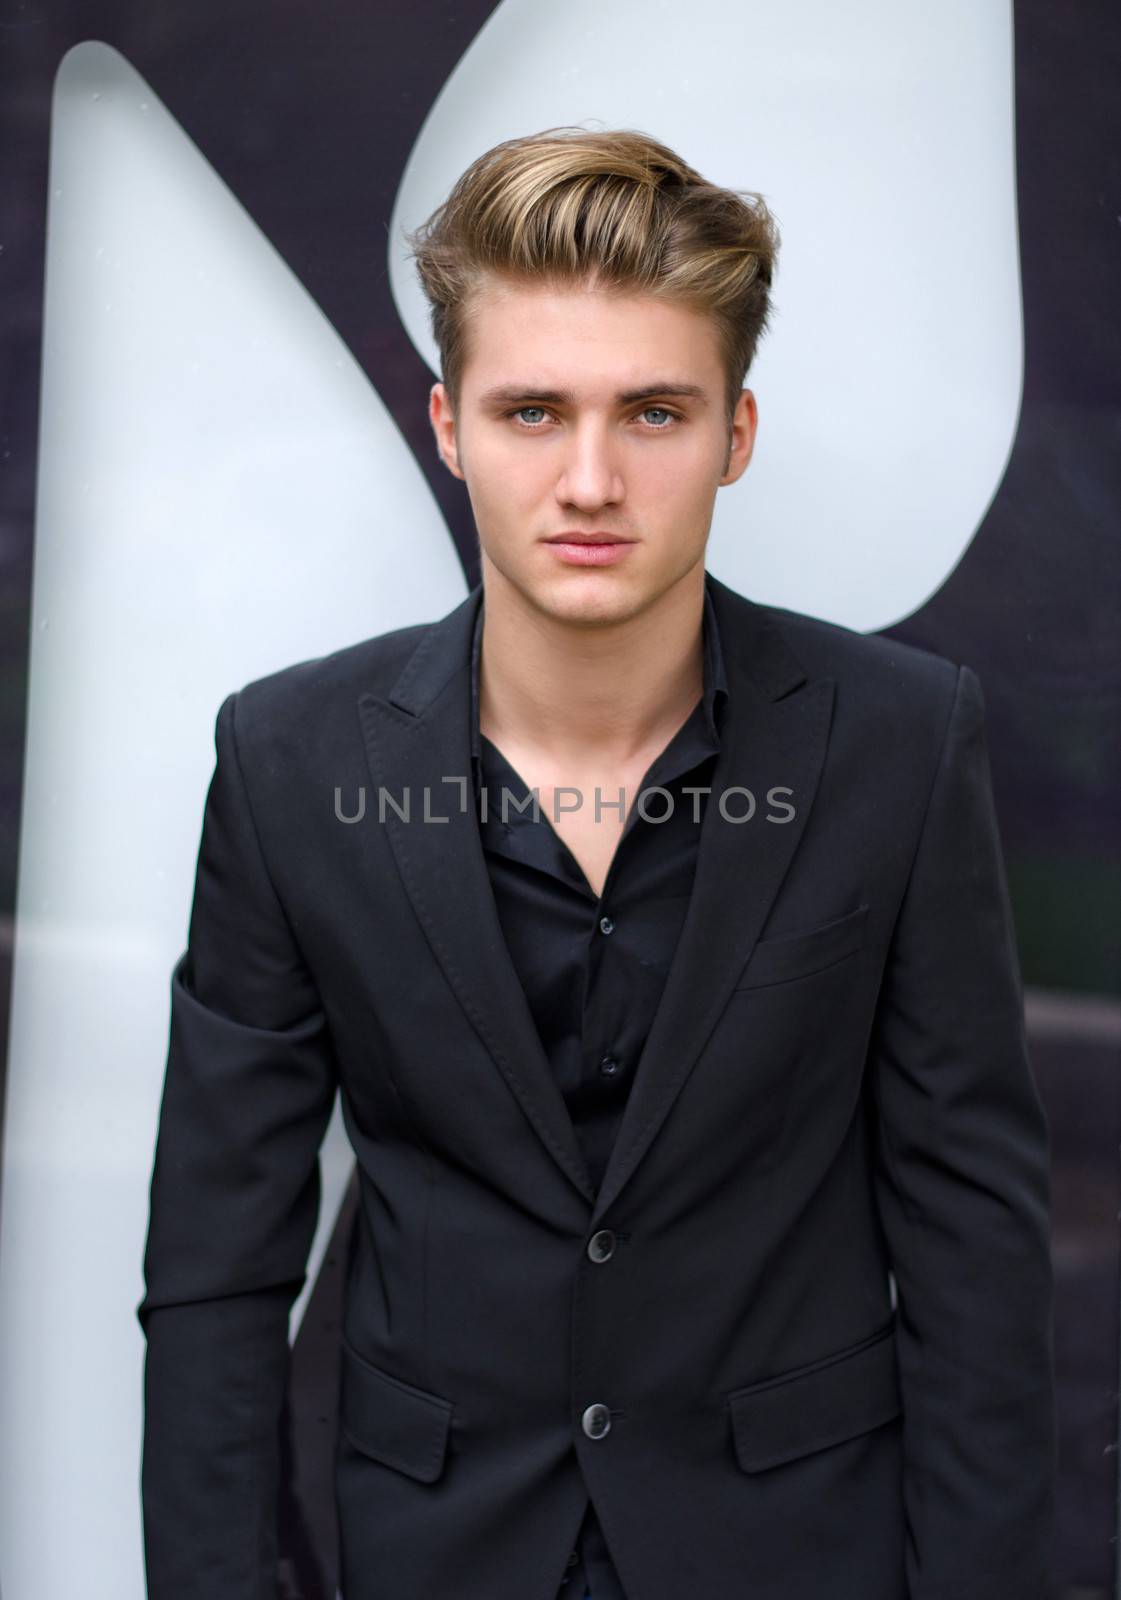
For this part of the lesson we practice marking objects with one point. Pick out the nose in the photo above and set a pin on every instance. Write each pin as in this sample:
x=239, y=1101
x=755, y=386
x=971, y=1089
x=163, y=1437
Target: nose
x=590, y=475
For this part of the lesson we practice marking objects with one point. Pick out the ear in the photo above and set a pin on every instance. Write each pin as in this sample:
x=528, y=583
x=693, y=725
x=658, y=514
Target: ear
x=745, y=420
x=442, y=418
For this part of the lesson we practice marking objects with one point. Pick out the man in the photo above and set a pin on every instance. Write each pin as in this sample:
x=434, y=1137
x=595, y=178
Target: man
x=703, y=1239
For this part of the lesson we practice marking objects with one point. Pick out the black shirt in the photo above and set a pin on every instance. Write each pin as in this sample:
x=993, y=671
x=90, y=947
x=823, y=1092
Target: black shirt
x=593, y=968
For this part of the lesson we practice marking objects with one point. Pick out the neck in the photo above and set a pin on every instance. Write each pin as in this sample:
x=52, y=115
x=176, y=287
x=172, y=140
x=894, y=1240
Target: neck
x=589, y=691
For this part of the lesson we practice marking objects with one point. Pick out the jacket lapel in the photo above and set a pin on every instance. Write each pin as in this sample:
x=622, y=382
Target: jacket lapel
x=418, y=741
x=774, y=735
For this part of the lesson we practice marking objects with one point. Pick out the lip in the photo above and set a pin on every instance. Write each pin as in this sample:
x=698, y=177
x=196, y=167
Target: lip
x=590, y=550
x=587, y=538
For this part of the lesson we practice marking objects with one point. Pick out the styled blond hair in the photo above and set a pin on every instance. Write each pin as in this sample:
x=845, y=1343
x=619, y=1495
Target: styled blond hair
x=617, y=210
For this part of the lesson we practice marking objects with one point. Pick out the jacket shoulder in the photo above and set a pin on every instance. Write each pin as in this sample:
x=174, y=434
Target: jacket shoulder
x=833, y=647
x=304, y=692
x=883, y=676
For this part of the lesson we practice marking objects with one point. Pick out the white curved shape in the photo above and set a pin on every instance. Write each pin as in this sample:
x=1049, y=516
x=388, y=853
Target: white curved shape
x=883, y=137
x=221, y=492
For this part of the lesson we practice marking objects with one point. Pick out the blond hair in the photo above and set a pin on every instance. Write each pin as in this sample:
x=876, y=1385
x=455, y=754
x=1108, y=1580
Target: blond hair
x=614, y=209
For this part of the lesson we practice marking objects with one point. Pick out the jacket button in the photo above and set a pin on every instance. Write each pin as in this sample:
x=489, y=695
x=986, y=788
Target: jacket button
x=596, y=1421
x=601, y=1245
x=572, y=1560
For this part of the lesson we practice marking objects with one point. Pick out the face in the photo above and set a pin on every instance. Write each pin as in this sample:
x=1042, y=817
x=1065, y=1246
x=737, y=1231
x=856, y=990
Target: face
x=588, y=412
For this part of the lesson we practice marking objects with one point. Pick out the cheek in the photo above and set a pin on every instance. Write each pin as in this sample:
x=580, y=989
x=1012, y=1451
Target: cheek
x=499, y=486
x=677, y=478
x=502, y=472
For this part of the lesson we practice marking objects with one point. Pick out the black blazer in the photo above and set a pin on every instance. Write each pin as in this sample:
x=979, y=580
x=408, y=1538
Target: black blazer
x=811, y=1301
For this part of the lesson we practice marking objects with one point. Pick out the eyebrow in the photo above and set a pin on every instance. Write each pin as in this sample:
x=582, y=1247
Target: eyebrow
x=523, y=394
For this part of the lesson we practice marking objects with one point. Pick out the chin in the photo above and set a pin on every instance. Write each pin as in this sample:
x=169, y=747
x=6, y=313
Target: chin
x=583, y=597
x=579, y=595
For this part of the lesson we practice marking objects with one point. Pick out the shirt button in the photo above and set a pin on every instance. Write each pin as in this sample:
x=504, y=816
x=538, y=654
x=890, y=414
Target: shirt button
x=601, y=1245
x=606, y=925
x=596, y=1421
x=608, y=1065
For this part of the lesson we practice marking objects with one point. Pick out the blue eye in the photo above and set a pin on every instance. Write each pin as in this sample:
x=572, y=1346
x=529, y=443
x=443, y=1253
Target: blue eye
x=539, y=412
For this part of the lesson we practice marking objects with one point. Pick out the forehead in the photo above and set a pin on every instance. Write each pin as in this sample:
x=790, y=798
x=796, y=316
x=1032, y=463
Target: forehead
x=583, y=338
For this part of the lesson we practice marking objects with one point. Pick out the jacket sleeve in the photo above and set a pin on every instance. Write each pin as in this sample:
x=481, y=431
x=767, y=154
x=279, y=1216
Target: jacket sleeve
x=248, y=1090
x=963, y=1191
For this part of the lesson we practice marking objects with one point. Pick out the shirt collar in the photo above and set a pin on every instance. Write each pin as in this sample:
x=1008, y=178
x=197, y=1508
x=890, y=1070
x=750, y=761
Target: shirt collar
x=715, y=691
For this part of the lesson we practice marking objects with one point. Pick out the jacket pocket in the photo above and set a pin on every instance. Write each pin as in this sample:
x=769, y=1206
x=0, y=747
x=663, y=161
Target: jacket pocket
x=794, y=955
x=390, y=1420
x=808, y=1409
